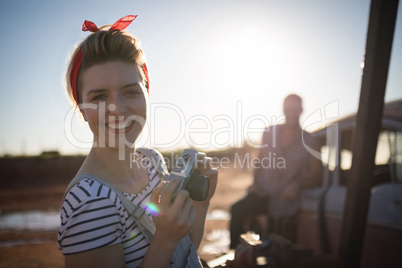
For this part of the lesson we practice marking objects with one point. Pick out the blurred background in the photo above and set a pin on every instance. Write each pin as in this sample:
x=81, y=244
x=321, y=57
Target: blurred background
x=213, y=65
x=219, y=71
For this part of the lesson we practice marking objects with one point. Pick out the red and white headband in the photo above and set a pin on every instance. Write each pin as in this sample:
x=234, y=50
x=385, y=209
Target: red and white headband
x=121, y=24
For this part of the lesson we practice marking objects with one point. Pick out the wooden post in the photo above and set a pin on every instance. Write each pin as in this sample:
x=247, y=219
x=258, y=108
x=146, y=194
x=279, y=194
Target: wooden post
x=378, y=49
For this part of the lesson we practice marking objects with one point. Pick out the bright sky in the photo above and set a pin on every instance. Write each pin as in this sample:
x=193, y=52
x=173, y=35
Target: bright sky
x=219, y=69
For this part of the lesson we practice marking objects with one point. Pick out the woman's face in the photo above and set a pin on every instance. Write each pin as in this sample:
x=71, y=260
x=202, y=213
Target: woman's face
x=114, y=103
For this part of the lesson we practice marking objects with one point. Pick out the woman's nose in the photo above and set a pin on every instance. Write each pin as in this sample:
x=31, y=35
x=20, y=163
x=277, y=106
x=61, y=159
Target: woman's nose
x=117, y=106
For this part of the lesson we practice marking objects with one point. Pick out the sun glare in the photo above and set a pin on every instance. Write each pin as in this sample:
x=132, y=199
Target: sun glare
x=153, y=209
x=248, y=58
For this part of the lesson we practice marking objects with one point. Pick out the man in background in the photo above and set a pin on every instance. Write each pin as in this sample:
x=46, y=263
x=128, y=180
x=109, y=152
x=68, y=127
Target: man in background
x=272, y=199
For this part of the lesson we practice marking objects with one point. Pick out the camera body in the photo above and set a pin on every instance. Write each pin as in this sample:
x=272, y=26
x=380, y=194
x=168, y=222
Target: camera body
x=187, y=168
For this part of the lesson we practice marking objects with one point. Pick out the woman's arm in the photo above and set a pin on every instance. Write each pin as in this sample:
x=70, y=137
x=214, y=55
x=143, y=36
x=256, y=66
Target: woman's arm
x=201, y=208
x=173, y=222
x=198, y=230
x=110, y=256
x=158, y=254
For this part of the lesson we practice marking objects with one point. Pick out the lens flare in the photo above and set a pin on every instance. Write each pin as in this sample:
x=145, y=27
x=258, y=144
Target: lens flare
x=153, y=209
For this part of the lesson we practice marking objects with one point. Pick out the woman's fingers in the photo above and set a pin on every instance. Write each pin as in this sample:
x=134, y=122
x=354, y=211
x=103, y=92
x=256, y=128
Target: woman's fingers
x=156, y=192
x=185, y=211
x=208, y=162
x=205, y=163
x=181, y=199
x=168, y=190
x=192, y=216
x=188, y=204
x=177, y=215
x=212, y=175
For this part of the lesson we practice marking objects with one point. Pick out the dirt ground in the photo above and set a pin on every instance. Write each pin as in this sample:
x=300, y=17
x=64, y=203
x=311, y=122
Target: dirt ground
x=39, y=249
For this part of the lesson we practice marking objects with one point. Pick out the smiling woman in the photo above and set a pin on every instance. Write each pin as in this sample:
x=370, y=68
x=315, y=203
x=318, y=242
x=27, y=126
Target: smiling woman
x=116, y=89
x=114, y=212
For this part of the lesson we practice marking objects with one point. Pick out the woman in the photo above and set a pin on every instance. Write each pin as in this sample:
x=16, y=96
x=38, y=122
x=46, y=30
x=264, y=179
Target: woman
x=108, y=81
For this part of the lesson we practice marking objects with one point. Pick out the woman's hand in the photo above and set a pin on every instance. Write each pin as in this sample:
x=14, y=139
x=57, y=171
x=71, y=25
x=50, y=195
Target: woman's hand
x=173, y=220
x=201, y=207
x=212, y=174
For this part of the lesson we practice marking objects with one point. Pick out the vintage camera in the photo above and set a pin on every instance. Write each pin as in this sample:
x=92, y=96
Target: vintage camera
x=187, y=168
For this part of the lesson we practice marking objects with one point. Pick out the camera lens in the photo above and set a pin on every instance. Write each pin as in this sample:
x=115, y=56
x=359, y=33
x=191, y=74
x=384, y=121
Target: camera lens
x=198, y=187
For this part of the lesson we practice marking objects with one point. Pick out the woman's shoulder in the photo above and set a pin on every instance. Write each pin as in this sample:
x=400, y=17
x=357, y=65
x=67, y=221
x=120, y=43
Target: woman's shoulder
x=149, y=153
x=90, y=188
x=91, y=215
x=89, y=194
x=154, y=159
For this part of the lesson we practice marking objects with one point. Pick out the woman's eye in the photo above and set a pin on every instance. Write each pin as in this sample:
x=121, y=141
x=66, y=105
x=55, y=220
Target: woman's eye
x=132, y=92
x=99, y=97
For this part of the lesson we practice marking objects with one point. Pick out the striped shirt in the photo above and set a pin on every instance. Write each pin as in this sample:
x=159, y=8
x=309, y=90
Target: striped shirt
x=92, y=216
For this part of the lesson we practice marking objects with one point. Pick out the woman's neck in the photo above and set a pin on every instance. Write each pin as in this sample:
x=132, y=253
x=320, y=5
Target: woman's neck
x=110, y=162
x=117, y=168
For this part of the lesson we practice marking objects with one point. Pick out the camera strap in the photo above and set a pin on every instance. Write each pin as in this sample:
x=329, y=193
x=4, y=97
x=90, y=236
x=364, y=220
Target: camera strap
x=144, y=223
x=157, y=161
x=185, y=254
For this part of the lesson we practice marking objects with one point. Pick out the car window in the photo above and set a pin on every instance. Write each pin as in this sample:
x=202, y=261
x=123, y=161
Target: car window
x=388, y=159
x=328, y=156
x=383, y=154
x=346, y=148
x=346, y=159
x=389, y=152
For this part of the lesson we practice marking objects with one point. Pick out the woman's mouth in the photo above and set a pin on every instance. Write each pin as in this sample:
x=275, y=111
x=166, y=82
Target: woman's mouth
x=120, y=127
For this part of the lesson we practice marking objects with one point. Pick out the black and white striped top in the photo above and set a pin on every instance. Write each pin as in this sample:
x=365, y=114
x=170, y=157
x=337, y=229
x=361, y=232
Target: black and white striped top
x=92, y=216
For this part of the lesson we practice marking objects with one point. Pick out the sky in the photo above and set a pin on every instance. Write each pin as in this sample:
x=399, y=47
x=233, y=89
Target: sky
x=219, y=70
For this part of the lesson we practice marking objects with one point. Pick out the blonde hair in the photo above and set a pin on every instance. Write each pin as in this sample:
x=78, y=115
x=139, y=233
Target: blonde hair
x=105, y=46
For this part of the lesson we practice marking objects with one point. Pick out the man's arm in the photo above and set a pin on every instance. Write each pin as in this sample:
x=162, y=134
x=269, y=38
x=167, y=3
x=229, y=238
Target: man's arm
x=258, y=171
x=313, y=179
x=315, y=174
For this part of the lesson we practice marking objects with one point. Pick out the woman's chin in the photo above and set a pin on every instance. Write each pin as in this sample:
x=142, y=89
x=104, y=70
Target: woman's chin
x=116, y=142
x=119, y=144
